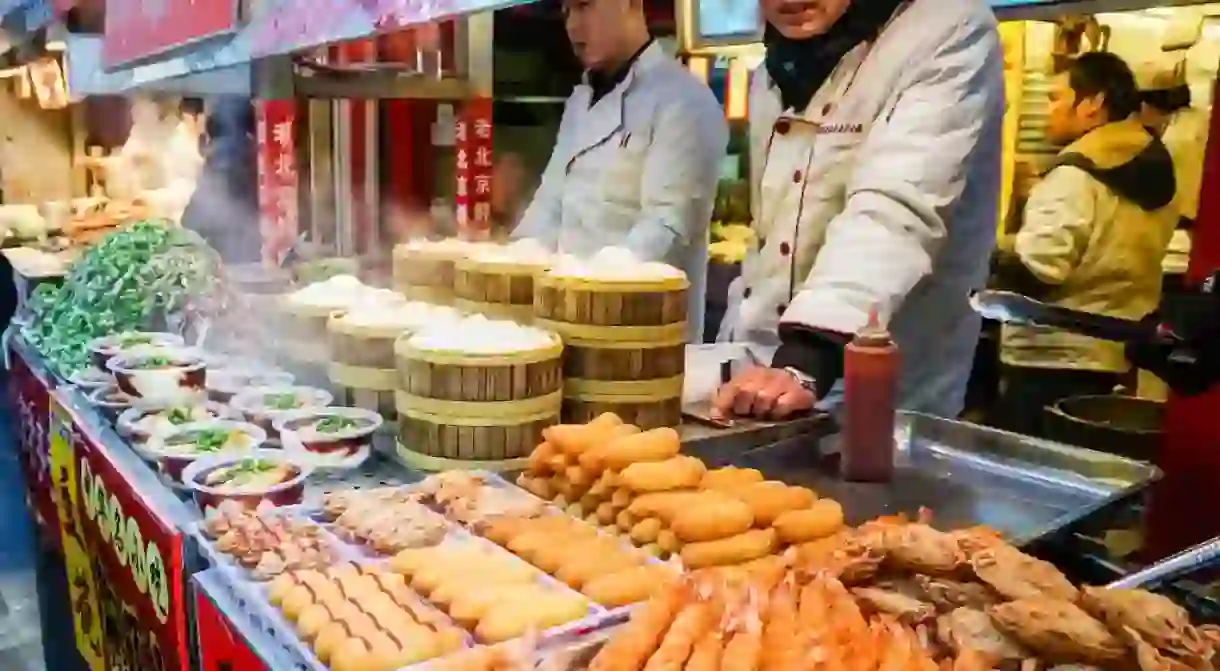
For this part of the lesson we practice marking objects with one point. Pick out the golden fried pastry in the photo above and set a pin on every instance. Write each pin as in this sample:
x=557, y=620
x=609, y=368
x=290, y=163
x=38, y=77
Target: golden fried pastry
x=539, y=463
x=680, y=472
x=1059, y=631
x=547, y=609
x=713, y=518
x=630, y=649
x=471, y=606
x=669, y=542
x=646, y=531
x=665, y=505
x=770, y=499
x=733, y=550
x=1016, y=575
x=540, y=486
x=618, y=454
x=629, y=585
x=624, y=520
x=690, y=625
x=583, y=568
x=823, y=518
x=968, y=629
x=730, y=477
x=1156, y=619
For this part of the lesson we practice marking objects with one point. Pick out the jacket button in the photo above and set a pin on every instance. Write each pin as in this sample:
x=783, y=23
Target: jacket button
x=796, y=177
x=747, y=292
x=785, y=249
x=781, y=308
x=783, y=126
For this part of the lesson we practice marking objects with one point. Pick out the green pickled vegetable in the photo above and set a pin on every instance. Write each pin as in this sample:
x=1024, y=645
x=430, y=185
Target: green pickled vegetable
x=131, y=280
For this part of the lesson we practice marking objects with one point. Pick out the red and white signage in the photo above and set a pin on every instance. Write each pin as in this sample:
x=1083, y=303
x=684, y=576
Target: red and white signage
x=278, y=188
x=138, y=29
x=473, y=167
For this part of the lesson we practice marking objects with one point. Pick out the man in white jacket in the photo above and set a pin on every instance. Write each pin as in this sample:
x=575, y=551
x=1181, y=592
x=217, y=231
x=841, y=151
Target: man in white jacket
x=876, y=132
x=638, y=155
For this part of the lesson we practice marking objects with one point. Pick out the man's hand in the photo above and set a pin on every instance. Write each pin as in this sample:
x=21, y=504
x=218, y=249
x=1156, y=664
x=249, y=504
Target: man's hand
x=764, y=393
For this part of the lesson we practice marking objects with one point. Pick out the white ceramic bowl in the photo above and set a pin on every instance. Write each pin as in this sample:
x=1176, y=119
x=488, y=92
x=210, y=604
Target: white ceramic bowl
x=179, y=382
x=340, y=449
x=171, y=463
x=285, y=493
x=252, y=404
x=101, y=350
x=92, y=378
x=226, y=382
x=131, y=426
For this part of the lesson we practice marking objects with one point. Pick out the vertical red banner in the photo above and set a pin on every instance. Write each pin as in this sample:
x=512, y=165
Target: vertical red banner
x=473, y=166
x=220, y=649
x=278, y=187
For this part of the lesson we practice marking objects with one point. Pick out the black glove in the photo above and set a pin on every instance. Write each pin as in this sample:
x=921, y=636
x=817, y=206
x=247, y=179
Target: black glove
x=1189, y=365
x=816, y=353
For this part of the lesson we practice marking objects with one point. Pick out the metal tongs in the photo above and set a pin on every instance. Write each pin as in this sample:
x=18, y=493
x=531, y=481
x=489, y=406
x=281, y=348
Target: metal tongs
x=1013, y=308
x=1173, y=567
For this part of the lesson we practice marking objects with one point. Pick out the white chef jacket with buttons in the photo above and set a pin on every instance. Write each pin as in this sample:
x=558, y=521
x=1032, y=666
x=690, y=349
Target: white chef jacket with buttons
x=882, y=193
x=637, y=169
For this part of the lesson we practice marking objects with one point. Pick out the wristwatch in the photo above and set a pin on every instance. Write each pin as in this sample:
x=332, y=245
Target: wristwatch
x=807, y=382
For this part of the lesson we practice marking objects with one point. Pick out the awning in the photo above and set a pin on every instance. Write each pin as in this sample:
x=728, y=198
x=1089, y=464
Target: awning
x=275, y=28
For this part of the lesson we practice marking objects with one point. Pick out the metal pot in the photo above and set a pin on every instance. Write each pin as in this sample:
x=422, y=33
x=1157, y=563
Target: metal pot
x=1123, y=425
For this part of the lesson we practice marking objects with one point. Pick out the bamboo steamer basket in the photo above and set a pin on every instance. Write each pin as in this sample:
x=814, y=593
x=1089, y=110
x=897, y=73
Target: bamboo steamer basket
x=362, y=365
x=425, y=272
x=624, y=345
x=498, y=289
x=463, y=410
x=302, y=333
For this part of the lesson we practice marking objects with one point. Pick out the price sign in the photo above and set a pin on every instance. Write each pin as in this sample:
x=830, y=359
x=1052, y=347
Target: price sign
x=277, y=177
x=473, y=166
x=33, y=396
x=124, y=562
x=138, y=29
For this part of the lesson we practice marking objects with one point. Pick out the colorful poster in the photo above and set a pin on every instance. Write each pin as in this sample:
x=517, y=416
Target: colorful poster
x=32, y=400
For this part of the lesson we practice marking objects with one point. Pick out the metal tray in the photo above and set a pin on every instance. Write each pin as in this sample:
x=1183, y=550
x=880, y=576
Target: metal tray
x=966, y=475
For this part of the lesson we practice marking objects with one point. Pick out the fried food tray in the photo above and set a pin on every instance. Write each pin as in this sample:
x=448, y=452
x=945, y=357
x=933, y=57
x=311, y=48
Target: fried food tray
x=252, y=601
x=966, y=475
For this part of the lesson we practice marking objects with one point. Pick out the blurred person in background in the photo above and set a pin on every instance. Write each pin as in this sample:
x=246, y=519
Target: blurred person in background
x=1093, y=235
x=224, y=207
x=638, y=154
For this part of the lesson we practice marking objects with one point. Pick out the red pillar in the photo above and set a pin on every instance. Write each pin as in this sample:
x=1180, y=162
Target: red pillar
x=1183, y=505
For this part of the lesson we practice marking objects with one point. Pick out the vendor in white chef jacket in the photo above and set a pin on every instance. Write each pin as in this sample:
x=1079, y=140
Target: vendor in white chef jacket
x=638, y=155
x=876, y=136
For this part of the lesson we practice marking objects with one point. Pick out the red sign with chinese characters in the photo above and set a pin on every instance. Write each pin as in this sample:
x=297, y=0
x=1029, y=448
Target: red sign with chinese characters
x=125, y=569
x=473, y=166
x=137, y=29
x=277, y=177
x=220, y=649
x=32, y=397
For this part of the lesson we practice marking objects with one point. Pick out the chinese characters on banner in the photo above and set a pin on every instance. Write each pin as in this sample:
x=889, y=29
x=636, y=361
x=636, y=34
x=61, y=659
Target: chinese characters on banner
x=124, y=561
x=277, y=177
x=473, y=167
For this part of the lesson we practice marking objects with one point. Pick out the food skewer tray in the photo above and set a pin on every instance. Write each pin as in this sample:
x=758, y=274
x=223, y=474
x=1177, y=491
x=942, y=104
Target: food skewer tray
x=252, y=593
x=969, y=475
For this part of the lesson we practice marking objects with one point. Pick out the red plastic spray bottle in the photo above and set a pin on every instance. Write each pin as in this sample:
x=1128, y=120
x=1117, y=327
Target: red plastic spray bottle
x=870, y=389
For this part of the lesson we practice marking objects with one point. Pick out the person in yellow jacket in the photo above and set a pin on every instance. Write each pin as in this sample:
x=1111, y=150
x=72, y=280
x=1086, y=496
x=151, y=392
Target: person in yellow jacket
x=1094, y=231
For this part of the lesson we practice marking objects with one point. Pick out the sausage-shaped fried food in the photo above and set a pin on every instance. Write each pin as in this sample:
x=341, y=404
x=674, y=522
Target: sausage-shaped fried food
x=628, y=586
x=576, y=439
x=565, y=549
x=540, y=459
x=824, y=518
x=664, y=505
x=733, y=550
x=654, y=445
x=680, y=472
x=583, y=568
x=646, y=531
x=768, y=500
x=621, y=498
x=538, y=486
x=668, y=542
x=730, y=477
x=624, y=520
x=715, y=517
x=579, y=477
x=606, y=513
x=508, y=620
x=707, y=653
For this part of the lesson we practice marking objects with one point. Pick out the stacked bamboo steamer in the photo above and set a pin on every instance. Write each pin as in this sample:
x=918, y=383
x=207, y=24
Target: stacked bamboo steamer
x=305, y=314
x=476, y=394
x=362, y=366
x=424, y=269
x=499, y=281
x=623, y=324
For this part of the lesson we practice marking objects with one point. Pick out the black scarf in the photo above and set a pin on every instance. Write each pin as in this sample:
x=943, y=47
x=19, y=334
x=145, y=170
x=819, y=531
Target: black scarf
x=800, y=67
